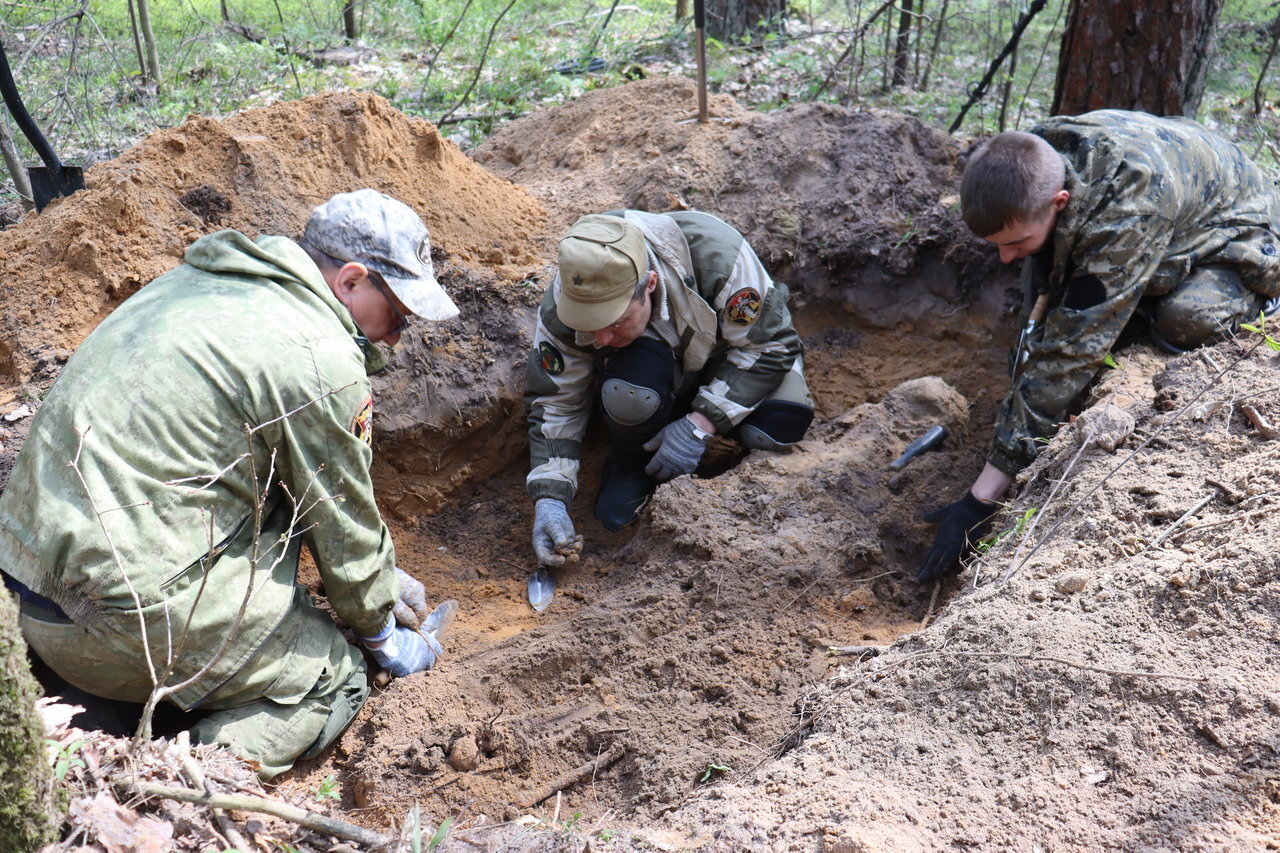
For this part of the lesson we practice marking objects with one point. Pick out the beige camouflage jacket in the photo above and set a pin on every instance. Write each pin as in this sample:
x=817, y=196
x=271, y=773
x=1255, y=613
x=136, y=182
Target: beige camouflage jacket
x=726, y=311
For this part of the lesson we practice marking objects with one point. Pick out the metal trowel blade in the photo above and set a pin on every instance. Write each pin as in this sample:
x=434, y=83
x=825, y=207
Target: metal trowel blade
x=542, y=587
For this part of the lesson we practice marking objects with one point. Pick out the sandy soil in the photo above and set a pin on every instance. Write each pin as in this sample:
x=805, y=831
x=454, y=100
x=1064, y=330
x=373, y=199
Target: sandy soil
x=1114, y=693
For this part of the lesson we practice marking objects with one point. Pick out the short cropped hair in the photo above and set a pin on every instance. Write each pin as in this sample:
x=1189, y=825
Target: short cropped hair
x=326, y=262
x=1012, y=177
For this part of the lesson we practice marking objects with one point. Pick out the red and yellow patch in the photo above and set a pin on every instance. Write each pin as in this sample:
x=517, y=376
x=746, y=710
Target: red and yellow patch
x=550, y=358
x=743, y=308
x=362, y=423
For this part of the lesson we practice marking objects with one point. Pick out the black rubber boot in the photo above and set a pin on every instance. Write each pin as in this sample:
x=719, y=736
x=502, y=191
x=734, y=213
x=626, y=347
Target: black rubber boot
x=626, y=485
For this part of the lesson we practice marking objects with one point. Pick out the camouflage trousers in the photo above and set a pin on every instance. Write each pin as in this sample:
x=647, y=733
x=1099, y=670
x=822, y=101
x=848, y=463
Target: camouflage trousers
x=292, y=699
x=1207, y=304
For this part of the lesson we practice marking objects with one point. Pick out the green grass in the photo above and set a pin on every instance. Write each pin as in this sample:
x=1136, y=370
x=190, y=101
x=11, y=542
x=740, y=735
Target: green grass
x=81, y=80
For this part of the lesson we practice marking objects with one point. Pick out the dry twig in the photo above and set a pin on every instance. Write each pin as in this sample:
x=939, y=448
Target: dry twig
x=244, y=802
x=1168, y=531
x=573, y=777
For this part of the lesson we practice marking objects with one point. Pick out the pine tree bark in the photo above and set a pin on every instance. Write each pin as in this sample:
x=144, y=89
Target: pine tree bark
x=29, y=814
x=730, y=20
x=1149, y=55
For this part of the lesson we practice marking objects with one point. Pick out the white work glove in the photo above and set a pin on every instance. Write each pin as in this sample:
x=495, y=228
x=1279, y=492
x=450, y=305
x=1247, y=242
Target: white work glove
x=411, y=605
x=403, y=651
x=679, y=449
x=553, y=539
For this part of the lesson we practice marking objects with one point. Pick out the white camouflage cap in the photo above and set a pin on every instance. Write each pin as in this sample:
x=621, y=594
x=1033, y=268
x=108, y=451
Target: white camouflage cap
x=385, y=235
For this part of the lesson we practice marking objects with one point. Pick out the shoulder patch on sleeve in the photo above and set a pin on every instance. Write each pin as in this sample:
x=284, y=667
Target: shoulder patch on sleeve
x=550, y=358
x=362, y=423
x=743, y=307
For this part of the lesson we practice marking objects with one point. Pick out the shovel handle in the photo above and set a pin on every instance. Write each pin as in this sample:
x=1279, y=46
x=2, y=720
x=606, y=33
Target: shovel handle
x=25, y=123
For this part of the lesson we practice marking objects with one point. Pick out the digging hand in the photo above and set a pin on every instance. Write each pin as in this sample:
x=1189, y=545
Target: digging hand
x=403, y=651
x=679, y=448
x=553, y=539
x=411, y=607
x=958, y=525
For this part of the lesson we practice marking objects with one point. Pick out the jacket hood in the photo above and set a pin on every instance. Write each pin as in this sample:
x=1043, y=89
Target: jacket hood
x=283, y=261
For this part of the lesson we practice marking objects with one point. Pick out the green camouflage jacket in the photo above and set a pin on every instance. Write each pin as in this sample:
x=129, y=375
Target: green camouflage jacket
x=717, y=305
x=1150, y=199
x=154, y=406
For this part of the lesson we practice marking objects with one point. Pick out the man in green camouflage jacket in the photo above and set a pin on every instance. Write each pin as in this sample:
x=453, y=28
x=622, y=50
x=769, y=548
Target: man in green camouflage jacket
x=672, y=323
x=1114, y=214
x=212, y=424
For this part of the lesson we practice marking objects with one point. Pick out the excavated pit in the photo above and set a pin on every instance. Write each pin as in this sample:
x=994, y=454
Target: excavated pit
x=686, y=640
x=682, y=644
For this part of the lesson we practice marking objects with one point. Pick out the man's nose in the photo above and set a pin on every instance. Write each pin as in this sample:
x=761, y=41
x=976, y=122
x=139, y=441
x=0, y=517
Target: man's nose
x=1008, y=254
x=603, y=337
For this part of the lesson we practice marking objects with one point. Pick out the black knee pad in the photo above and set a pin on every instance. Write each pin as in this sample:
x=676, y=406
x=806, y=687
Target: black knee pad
x=638, y=388
x=775, y=425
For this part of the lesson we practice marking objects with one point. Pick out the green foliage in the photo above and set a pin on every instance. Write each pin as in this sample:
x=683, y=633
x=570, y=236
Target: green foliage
x=328, y=789
x=440, y=834
x=483, y=62
x=713, y=770
x=1260, y=328
x=1110, y=361
x=991, y=540
x=68, y=756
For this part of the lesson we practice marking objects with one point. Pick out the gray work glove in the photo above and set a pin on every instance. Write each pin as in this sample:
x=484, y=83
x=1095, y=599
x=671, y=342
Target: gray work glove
x=403, y=651
x=553, y=539
x=679, y=449
x=411, y=606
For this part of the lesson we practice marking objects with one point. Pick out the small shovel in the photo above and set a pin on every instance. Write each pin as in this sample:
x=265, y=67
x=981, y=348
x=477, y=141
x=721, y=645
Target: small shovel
x=542, y=588
x=52, y=179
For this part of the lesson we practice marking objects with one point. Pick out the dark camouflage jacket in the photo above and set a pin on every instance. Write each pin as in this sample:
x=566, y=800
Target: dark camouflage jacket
x=1151, y=198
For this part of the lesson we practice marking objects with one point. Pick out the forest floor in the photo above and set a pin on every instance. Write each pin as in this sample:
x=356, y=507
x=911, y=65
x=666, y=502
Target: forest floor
x=1103, y=678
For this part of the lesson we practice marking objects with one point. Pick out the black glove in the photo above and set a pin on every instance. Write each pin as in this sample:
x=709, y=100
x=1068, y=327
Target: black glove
x=958, y=525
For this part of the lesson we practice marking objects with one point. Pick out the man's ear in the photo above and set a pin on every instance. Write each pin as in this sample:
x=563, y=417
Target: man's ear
x=343, y=282
x=653, y=281
x=1059, y=200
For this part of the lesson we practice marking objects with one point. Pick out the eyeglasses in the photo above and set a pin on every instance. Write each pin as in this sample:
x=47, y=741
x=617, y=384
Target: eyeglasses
x=402, y=322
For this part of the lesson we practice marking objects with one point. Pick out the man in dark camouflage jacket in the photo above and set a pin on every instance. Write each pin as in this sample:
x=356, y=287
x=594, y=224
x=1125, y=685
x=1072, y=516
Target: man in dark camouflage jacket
x=671, y=322
x=1114, y=213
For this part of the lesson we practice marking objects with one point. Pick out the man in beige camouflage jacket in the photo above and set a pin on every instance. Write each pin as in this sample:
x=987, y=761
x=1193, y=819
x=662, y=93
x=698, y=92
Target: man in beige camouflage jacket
x=672, y=324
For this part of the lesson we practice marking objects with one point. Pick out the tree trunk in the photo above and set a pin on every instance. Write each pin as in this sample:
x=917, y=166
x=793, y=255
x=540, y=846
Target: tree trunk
x=902, y=50
x=28, y=806
x=683, y=10
x=350, y=21
x=152, y=69
x=17, y=171
x=1147, y=55
x=730, y=20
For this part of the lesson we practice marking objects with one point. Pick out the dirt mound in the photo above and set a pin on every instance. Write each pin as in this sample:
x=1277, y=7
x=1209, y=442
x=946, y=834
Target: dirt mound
x=838, y=203
x=259, y=172
x=1118, y=693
